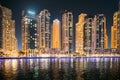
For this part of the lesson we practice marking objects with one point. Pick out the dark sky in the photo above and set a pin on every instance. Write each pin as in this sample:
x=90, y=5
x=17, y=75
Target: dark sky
x=55, y=7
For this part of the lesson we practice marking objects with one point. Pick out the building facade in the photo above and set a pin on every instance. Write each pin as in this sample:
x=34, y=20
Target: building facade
x=88, y=35
x=29, y=33
x=44, y=30
x=91, y=34
x=8, y=41
x=100, y=38
x=80, y=33
x=67, y=32
x=56, y=34
x=115, y=31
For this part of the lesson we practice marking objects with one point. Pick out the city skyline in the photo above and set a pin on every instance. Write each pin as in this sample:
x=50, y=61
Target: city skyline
x=76, y=9
x=59, y=39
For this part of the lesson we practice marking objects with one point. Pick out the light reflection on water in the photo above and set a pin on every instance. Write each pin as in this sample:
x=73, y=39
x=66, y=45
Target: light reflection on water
x=60, y=69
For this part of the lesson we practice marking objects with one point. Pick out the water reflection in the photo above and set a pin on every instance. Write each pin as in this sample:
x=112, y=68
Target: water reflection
x=60, y=69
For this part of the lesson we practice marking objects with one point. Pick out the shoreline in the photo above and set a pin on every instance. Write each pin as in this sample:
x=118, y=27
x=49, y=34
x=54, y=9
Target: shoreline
x=54, y=57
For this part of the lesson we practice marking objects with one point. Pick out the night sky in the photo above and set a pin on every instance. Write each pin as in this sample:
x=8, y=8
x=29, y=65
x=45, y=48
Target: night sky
x=56, y=7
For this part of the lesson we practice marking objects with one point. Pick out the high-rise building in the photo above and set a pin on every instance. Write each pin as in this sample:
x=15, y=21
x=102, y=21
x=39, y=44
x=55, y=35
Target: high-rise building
x=114, y=37
x=91, y=34
x=88, y=34
x=29, y=33
x=8, y=41
x=80, y=33
x=100, y=39
x=115, y=30
x=35, y=32
x=44, y=29
x=56, y=34
x=67, y=31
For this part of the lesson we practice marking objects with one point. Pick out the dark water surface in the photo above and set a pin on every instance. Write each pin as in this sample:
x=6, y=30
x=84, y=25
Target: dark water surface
x=60, y=69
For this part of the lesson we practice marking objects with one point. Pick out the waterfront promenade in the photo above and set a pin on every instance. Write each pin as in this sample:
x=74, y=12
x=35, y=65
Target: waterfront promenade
x=63, y=56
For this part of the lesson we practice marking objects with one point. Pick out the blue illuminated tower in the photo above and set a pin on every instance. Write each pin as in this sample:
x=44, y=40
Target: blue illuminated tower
x=29, y=33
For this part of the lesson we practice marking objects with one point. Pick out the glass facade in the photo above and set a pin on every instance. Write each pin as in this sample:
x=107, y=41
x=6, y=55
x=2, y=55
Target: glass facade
x=29, y=34
x=32, y=33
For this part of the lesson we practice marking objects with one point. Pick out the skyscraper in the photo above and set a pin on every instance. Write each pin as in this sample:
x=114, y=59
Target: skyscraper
x=29, y=33
x=56, y=34
x=67, y=31
x=91, y=34
x=115, y=30
x=80, y=33
x=8, y=41
x=88, y=34
x=100, y=39
x=44, y=29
